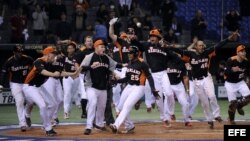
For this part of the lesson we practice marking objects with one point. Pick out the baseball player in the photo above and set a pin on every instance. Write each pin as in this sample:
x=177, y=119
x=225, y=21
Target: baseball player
x=237, y=68
x=97, y=66
x=80, y=55
x=32, y=86
x=177, y=72
x=53, y=87
x=17, y=66
x=156, y=57
x=70, y=84
x=204, y=87
x=120, y=55
x=136, y=74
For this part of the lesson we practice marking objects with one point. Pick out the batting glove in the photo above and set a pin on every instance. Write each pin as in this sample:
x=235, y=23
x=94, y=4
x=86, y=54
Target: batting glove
x=113, y=21
x=156, y=94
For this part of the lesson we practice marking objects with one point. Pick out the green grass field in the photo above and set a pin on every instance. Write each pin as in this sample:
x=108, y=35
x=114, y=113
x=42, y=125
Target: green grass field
x=8, y=114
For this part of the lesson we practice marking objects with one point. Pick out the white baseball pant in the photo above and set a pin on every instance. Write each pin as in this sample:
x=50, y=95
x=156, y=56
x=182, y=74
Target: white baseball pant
x=193, y=98
x=181, y=95
x=96, y=107
x=204, y=88
x=130, y=95
x=17, y=92
x=33, y=95
x=233, y=88
x=81, y=88
x=117, y=90
x=49, y=95
x=70, y=89
x=162, y=84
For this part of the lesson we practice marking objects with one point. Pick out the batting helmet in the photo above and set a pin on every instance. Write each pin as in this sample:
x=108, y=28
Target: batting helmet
x=134, y=50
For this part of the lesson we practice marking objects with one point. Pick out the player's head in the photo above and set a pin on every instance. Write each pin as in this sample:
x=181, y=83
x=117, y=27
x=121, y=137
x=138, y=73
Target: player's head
x=71, y=48
x=49, y=53
x=88, y=41
x=123, y=35
x=155, y=36
x=241, y=51
x=18, y=50
x=199, y=46
x=133, y=52
x=99, y=46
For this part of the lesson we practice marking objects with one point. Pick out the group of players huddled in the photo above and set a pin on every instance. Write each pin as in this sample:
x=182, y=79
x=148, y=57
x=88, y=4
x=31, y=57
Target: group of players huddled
x=132, y=68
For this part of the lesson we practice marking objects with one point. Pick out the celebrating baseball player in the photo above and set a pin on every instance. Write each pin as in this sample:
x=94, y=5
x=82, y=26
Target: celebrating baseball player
x=204, y=86
x=237, y=69
x=177, y=72
x=80, y=55
x=32, y=86
x=97, y=66
x=136, y=74
x=18, y=67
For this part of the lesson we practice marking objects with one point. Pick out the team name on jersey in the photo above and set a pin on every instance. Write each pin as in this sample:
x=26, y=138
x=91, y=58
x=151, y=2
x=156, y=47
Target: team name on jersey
x=169, y=70
x=133, y=71
x=71, y=62
x=193, y=61
x=19, y=68
x=57, y=64
x=102, y=65
x=155, y=50
x=124, y=49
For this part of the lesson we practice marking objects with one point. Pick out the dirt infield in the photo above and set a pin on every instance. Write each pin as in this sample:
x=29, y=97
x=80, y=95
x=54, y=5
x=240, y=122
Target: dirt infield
x=143, y=131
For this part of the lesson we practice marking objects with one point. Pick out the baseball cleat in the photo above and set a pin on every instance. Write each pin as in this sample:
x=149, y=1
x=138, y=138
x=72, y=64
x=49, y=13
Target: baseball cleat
x=51, y=133
x=219, y=119
x=23, y=129
x=188, y=124
x=167, y=124
x=99, y=128
x=241, y=111
x=66, y=116
x=28, y=121
x=149, y=110
x=87, y=131
x=173, y=118
x=211, y=124
x=113, y=128
x=129, y=131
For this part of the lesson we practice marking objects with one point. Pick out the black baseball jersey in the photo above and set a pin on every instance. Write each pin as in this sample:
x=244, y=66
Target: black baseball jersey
x=69, y=64
x=80, y=54
x=137, y=73
x=176, y=70
x=156, y=56
x=120, y=51
x=235, y=77
x=35, y=78
x=17, y=68
x=200, y=62
x=99, y=76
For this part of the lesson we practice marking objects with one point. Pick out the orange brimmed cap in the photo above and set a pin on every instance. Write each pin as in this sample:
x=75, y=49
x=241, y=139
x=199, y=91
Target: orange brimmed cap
x=123, y=35
x=155, y=32
x=99, y=42
x=48, y=50
x=240, y=48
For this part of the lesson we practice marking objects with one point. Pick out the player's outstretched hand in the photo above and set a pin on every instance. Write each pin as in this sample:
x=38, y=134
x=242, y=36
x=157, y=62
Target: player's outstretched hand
x=113, y=21
x=234, y=36
x=156, y=94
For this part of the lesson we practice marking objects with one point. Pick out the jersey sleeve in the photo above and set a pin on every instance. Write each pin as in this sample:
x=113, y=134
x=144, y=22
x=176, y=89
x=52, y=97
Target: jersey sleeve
x=228, y=69
x=39, y=66
x=112, y=64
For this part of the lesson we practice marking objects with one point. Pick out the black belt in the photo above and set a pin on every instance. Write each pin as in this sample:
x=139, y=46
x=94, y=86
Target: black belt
x=199, y=78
